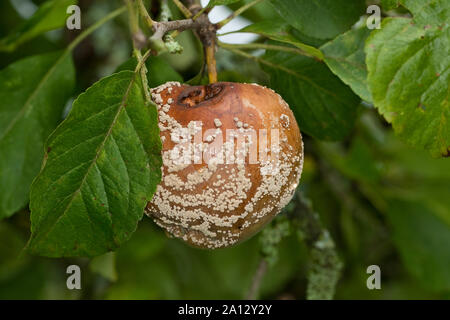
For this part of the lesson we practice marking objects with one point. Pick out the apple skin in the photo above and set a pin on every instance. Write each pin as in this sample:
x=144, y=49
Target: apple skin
x=211, y=204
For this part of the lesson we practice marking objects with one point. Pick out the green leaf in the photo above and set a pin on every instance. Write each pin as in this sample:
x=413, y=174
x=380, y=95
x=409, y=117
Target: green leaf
x=213, y=3
x=159, y=71
x=409, y=76
x=323, y=19
x=282, y=32
x=346, y=58
x=101, y=167
x=390, y=4
x=324, y=107
x=50, y=15
x=422, y=239
x=153, y=266
x=430, y=12
x=33, y=93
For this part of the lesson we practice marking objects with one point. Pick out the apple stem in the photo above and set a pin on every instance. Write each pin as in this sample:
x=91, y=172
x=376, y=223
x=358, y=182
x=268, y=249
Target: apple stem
x=207, y=33
x=211, y=62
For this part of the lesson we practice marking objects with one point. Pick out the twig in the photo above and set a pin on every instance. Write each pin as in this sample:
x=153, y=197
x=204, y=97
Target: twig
x=257, y=279
x=133, y=17
x=142, y=61
x=142, y=69
x=210, y=52
x=270, y=240
x=203, y=28
x=161, y=28
x=145, y=14
x=237, y=13
x=183, y=8
x=160, y=40
x=94, y=27
x=139, y=40
x=138, y=43
x=200, y=12
x=165, y=14
x=262, y=61
x=265, y=47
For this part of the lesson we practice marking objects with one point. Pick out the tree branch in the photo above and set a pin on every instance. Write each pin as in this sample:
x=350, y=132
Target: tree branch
x=257, y=279
x=160, y=40
x=161, y=28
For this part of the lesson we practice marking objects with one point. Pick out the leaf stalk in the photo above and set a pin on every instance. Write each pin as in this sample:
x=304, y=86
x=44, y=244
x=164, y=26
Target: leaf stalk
x=238, y=12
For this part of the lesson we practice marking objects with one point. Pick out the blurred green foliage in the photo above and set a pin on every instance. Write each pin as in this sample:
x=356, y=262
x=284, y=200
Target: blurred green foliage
x=382, y=202
x=397, y=217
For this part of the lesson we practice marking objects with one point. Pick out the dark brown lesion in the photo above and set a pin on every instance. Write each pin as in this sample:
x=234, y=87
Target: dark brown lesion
x=193, y=96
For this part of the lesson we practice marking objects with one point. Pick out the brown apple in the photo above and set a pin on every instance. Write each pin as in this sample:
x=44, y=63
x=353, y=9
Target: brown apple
x=232, y=159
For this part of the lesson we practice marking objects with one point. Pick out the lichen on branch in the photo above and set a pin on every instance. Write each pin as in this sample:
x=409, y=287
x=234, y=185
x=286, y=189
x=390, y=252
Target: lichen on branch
x=325, y=266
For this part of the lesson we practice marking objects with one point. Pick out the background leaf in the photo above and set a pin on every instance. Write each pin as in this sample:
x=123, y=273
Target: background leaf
x=430, y=12
x=346, y=58
x=105, y=265
x=33, y=93
x=409, y=73
x=50, y=15
x=165, y=268
x=323, y=19
x=159, y=71
x=101, y=167
x=390, y=4
x=358, y=163
x=355, y=185
x=324, y=107
x=12, y=243
x=422, y=239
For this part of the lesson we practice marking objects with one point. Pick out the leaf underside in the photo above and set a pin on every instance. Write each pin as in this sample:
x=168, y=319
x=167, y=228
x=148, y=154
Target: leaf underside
x=345, y=56
x=409, y=76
